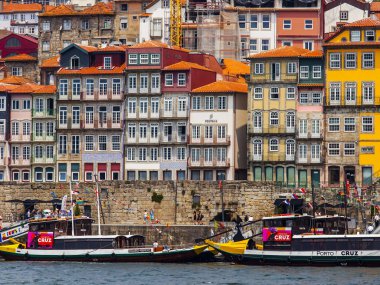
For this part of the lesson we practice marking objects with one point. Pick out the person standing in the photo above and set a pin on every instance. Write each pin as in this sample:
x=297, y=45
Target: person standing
x=151, y=213
x=377, y=220
x=145, y=216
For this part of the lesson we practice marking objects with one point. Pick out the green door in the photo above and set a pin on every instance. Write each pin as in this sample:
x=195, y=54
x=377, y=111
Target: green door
x=315, y=177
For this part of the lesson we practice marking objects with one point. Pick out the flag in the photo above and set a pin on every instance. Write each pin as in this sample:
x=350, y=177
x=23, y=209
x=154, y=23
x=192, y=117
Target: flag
x=348, y=187
x=294, y=196
x=220, y=184
x=303, y=190
x=310, y=206
x=63, y=205
x=74, y=192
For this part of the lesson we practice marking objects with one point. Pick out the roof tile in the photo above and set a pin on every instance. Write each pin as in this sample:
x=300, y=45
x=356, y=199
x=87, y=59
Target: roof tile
x=222, y=87
x=51, y=62
x=16, y=80
x=155, y=44
x=61, y=10
x=313, y=54
x=99, y=8
x=26, y=88
x=20, y=57
x=45, y=89
x=366, y=22
x=185, y=65
x=15, y=7
x=93, y=70
x=234, y=67
x=281, y=52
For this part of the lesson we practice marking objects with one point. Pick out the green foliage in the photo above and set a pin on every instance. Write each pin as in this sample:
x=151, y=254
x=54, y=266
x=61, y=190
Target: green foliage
x=76, y=210
x=157, y=197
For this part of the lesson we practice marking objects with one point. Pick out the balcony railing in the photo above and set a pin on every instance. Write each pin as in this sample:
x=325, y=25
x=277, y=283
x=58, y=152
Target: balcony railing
x=44, y=159
x=43, y=137
x=272, y=77
x=208, y=163
x=272, y=157
x=210, y=141
x=43, y=113
x=273, y=130
x=343, y=103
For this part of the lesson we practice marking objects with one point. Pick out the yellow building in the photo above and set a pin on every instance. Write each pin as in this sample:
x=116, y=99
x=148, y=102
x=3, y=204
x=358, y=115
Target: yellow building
x=272, y=115
x=352, y=140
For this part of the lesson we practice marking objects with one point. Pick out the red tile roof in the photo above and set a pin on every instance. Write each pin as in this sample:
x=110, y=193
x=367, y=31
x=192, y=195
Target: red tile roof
x=122, y=48
x=281, y=52
x=93, y=70
x=51, y=62
x=15, y=7
x=222, y=87
x=234, y=67
x=26, y=88
x=155, y=44
x=313, y=54
x=16, y=80
x=87, y=48
x=99, y=8
x=20, y=57
x=61, y=10
x=375, y=7
x=145, y=14
x=45, y=89
x=185, y=65
x=366, y=22
x=7, y=87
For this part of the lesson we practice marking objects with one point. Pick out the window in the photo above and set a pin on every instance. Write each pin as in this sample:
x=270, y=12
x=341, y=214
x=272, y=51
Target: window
x=208, y=154
x=349, y=124
x=102, y=116
x=208, y=132
x=222, y=102
x=45, y=46
x=154, y=131
x=89, y=115
x=155, y=81
x=142, y=153
x=343, y=15
x=143, y=82
x=169, y=79
x=15, y=105
x=90, y=87
x=266, y=21
x=3, y=105
x=62, y=144
x=302, y=127
x=107, y=23
x=302, y=152
x=26, y=153
x=26, y=104
x=334, y=60
x=368, y=60
x=221, y=132
x=264, y=45
x=274, y=93
x=16, y=71
x=31, y=29
x=258, y=93
x=259, y=68
x=334, y=149
x=355, y=36
x=287, y=43
x=273, y=145
x=63, y=87
x=76, y=88
x=257, y=120
x=154, y=105
x=209, y=103
x=124, y=7
x=182, y=104
x=308, y=45
x=317, y=72
x=89, y=143
x=291, y=67
x=167, y=153
x=38, y=129
x=102, y=142
x=181, y=79
x=273, y=120
x=123, y=23
x=62, y=115
x=290, y=120
x=144, y=58
x=196, y=132
x=370, y=36
x=221, y=154
x=367, y=124
x=103, y=87
x=85, y=24
x=2, y=128
x=132, y=58
x=368, y=92
x=155, y=58
x=75, y=144
x=46, y=26
x=350, y=60
x=254, y=21
x=132, y=82
x=287, y=25
x=253, y=45
x=168, y=104
x=304, y=72
x=335, y=93
x=242, y=20
x=15, y=152
x=195, y=154
x=349, y=149
x=308, y=24
x=107, y=62
x=115, y=114
x=316, y=98
x=131, y=131
x=26, y=128
x=143, y=131
x=304, y=98
x=334, y=124
x=196, y=103
x=367, y=149
x=154, y=154
x=131, y=154
x=15, y=128
x=315, y=152
x=66, y=25
x=50, y=129
x=116, y=143
x=116, y=86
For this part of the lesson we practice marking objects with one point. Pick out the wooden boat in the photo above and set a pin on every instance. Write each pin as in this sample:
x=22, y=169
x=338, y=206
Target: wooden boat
x=291, y=240
x=48, y=240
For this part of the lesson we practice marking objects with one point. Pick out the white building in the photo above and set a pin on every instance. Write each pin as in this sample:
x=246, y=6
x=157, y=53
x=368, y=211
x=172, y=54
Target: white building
x=340, y=12
x=20, y=18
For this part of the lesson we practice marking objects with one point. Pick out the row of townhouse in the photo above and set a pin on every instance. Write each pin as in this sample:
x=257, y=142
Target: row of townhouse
x=144, y=112
x=312, y=116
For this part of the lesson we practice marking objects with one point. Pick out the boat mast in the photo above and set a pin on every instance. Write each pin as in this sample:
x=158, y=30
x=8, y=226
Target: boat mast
x=97, y=202
x=313, y=205
x=72, y=210
x=345, y=203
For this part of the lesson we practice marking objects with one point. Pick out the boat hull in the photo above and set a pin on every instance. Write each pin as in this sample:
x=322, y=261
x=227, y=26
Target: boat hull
x=103, y=255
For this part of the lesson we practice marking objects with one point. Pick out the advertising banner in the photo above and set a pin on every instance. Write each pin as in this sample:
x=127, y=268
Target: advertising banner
x=13, y=232
x=277, y=234
x=40, y=239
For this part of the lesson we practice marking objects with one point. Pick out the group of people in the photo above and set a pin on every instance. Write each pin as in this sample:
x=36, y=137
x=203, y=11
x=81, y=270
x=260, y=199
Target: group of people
x=198, y=217
x=38, y=214
x=149, y=217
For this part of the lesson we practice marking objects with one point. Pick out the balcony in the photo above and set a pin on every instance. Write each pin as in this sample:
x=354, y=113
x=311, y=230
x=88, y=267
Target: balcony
x=43, y=160
x=209, y=141
x=272, y=77
x=308, y=135
x=344, y=103
x=202, y=163
x=173, y=114
x=19, y=162
x=272, y=130
x=138, y=140
x=44, y=113
x=272, y=157
x=43, y=137
x=20, y=138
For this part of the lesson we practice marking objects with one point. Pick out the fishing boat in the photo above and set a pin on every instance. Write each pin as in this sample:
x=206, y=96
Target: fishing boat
x=305, y=240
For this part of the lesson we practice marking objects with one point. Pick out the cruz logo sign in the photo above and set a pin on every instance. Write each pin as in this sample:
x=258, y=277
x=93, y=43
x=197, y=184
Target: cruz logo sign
x=277, y=234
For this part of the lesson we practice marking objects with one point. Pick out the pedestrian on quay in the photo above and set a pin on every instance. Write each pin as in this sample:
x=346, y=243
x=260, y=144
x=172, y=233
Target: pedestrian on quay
x=28, y=214
x=195, y=217
x=151, y=213
x=145, y=216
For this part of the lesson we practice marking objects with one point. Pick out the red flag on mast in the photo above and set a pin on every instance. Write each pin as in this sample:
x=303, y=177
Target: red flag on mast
x=348, y=187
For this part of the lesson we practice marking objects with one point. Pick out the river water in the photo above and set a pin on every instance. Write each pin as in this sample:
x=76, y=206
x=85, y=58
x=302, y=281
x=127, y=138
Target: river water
x=198, y=273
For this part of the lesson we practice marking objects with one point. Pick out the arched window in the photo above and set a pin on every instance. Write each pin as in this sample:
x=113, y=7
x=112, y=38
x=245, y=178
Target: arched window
x=257, y=120
x=273, y=144
x=12, y=42
x=290, y=120
x=273, y=120
x=290, y=147
x=38, y=174
x=257, y=148
x=74, y=62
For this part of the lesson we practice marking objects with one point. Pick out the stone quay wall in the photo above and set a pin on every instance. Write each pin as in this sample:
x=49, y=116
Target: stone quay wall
x=124, y=202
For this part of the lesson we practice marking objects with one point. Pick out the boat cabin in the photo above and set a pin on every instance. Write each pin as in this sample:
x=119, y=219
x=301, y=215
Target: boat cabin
x=330, y=225
x=62, y=226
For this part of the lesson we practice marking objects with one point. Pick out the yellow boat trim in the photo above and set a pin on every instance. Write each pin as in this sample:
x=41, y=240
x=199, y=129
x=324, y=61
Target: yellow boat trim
x=198, y=249
x=237, y=247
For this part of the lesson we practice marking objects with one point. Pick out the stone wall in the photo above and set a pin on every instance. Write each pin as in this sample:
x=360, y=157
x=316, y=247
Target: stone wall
x=124, y=202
